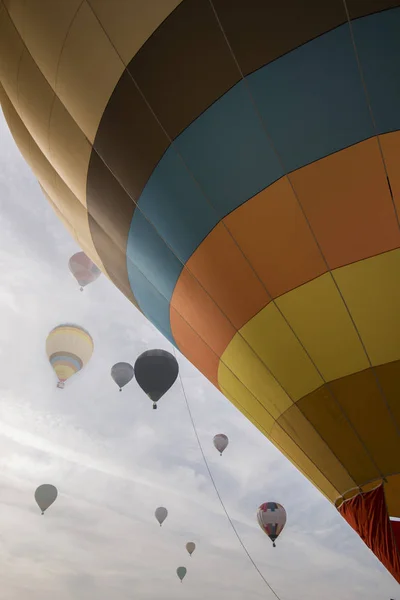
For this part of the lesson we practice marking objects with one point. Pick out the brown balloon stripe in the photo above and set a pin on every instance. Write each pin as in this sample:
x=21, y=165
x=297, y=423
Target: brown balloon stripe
x=360, y=398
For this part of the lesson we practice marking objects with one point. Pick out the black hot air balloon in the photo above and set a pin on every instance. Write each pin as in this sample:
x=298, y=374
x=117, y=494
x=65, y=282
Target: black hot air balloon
x=155, y=372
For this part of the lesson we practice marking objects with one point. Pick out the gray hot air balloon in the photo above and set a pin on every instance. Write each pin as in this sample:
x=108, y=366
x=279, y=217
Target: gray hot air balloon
x=155, y=372
x=190, y=547
x=161, y=514
x=181, y=572
x=220, y=442
x=122, y=373
x=45, y=496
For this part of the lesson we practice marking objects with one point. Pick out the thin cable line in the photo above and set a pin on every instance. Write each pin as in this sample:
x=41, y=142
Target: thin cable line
x=215, y=485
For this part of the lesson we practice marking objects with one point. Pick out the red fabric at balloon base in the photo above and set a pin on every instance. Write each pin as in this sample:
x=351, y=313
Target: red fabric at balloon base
x=367, y=514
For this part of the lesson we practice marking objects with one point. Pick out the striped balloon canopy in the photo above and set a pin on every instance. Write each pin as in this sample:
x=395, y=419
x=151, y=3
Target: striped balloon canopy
x=83, y=269
x=271, y=517
x=68, y=347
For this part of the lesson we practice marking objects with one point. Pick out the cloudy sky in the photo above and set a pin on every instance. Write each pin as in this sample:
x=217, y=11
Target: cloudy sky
x=114, y=459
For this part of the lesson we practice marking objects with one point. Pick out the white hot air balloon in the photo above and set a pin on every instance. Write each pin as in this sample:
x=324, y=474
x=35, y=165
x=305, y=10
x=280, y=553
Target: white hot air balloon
x=45, y=495
x=190, y=547
x=220, y=442
x=161, y=514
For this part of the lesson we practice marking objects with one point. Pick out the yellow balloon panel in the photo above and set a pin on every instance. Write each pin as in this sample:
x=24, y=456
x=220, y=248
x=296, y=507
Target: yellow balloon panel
x=253, y=374
x=371, y=290
x=319, y=318
x=275, y=343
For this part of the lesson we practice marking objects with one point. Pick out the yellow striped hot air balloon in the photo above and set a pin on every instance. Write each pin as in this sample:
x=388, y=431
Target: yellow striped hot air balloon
x=232, y=166
x=69, y=347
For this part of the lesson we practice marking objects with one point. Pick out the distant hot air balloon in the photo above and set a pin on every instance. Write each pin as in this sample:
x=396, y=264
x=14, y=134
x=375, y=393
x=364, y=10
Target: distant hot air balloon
x=190, y=547
x=181, y=572
x=271, y=517
x=69, y=347
x=122, y=373
x=45, y=495
x=279, y=279
x=220, y=442
x=155, y=372
x=161, y=514
x=83, y=269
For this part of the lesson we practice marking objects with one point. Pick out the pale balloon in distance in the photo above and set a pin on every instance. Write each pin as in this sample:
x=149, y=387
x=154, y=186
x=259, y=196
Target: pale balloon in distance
x=69, y=348
x=161, y=514
x=181, y=572
x=83, y=269
x=45, y=495
x=220, y=442
x=190, y=547
x=122, y=373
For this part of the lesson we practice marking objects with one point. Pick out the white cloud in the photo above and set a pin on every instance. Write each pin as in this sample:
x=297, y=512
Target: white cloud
x=115, y=460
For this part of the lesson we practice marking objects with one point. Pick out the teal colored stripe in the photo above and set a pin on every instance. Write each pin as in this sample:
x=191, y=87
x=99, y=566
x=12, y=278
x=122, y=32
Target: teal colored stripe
x=67, y=359
x=153, y=271
x=312, y=104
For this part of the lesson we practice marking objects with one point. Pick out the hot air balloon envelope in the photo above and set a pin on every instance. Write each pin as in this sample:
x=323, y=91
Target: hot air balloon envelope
x=190, y=547
x=271, y=517
x=69, y=347
x=45, y=495
x=155, y=372
x=220, y=442
x=122, y=373
x=161, y=514
x=83, y=269
x=181, y=572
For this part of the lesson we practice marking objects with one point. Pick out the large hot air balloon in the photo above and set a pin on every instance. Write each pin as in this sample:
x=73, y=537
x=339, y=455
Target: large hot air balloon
x=181, y=572
x=68, y=347
x=244, y=196
x=220, y=441
x=83, y=269
x=155, y=372
x=122, y=373
x=45, y=495
x=161, y=514
x=271, y=517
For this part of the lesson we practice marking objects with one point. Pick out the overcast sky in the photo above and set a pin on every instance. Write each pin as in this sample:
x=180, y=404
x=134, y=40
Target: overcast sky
x=114, y=459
